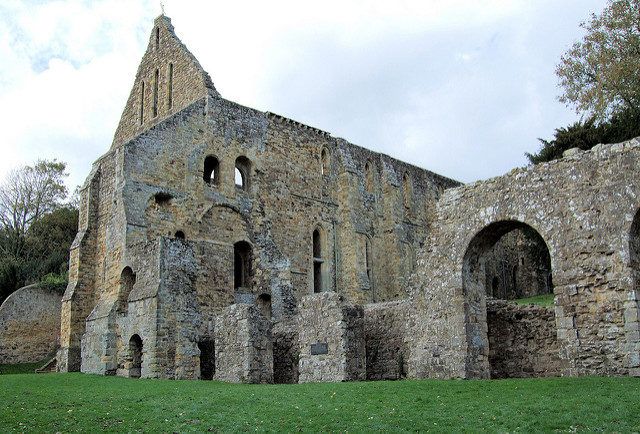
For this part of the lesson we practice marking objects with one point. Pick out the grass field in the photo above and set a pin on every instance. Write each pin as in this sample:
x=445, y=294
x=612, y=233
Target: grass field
x=23, y=368
x=74, y=402
x=542, y=300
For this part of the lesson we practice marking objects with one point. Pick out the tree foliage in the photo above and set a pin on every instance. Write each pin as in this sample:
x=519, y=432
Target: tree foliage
x=585, y=135
x=27, y=194
x=36, y=227
x=600, y=75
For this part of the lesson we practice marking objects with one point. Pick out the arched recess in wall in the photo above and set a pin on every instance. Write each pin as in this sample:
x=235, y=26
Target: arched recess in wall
x=242, y=173
x=127, y=280
x=211, y=170
x=318, y=241
x=368, y=262
x=369, y=177
x=135, y=356
x=242, y=262
x=325, y=161
x=486, y=270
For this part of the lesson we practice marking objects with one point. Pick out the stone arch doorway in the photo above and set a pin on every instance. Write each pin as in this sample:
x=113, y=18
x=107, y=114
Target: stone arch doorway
x=504, y=261
x=135, y=355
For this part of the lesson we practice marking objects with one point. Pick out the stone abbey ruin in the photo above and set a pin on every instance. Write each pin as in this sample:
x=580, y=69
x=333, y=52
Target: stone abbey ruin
x=219, y=241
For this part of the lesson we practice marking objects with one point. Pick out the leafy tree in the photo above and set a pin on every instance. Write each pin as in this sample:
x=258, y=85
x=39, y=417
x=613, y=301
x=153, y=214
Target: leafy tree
x=36, y=228
x=27, y=194
x=600, y=75
x=622, y=126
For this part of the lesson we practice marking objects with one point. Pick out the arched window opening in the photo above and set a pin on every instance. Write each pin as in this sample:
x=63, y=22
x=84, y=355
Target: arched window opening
x=264, y=304
x=156, y=80
x=241, y=266
x=170, y=90
x=211, y=171
x=141, y=102
x=406, y=192
x=179, y=235
x=157, y=38
x=135, y=356
x=318, y=261
x=368, y=261
x=127, y=280
x=491, y=271
x=369, y=177
x=324, y=161
x=207, y=359
x=243, y=168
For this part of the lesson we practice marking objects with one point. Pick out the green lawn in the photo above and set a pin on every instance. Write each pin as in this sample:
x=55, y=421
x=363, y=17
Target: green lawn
x=23, y=368
x=542, y=300
x=70, y=402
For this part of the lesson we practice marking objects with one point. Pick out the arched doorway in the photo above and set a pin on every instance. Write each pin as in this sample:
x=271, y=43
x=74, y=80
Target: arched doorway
x=135, y=354
x=506, y=260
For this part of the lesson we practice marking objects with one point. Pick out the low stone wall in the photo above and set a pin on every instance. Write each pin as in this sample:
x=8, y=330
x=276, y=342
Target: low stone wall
x=331, y=332
x=29, y=325
x=384, y=330
x=244, y=352
x=522, y=340
x=285, y=352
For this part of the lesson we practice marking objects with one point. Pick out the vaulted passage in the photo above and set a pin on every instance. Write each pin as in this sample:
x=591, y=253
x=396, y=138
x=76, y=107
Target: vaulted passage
x=505, y=261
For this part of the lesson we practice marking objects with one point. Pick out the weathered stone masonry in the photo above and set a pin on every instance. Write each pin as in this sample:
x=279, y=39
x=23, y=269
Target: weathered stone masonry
x=218, y=241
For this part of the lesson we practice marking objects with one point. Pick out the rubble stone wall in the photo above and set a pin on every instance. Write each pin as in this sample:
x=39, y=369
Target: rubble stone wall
x=243, y=345
x=331, y=336
x=582, y=206
x=385, y=326
x=523, y=340
x=29, y=325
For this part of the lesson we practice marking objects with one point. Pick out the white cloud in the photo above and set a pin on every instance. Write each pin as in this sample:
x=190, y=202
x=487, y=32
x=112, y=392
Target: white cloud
x=460, y=87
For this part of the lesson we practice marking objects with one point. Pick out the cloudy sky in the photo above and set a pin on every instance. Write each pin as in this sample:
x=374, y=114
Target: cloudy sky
x=460, y=87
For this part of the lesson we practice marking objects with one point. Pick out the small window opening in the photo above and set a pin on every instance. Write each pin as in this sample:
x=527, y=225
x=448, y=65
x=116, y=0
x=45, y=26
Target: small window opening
x=155, y=94
x=179, y=235
x=142, y=103
x=211, y=170
x=369, y=177
x=369, y=261
x=264, y=304
x=157, y=37
x=243, y=168
x=162, y=198
x=324, y=161
x=170, y=93
x=135, y=356
x=241, y=265
x=318, y=261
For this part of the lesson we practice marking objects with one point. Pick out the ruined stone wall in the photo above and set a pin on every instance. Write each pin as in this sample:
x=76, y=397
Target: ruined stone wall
x=385, y=326
x=332, y=341
x=582, y=206
x=29, y=325
x=243, y=345
x=523, y=342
